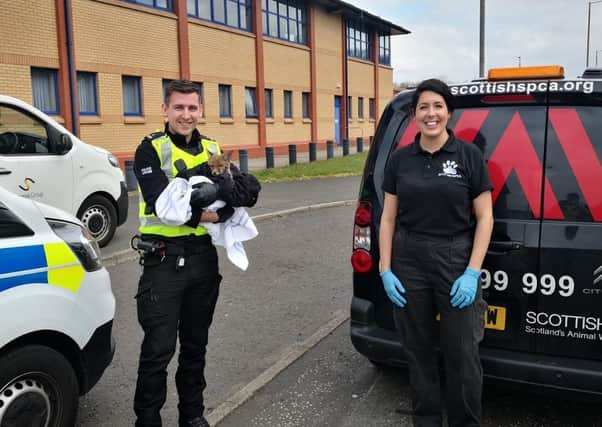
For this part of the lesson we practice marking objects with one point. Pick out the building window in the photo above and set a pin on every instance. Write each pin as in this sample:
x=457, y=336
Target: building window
x=45, y=90
x=384, y=49
x=306, y=105
x=201, y=97
x=157, y=4
x=359, y=41
x=288, y=104
x=225, y=101
x=360, y=107
x=285, y=19
x=269, y=111
x=132, y=96
x=250, y=102
x=349, y=107
x=371, y=108
x=86, y=87
x=164, y=84
x=233, y=13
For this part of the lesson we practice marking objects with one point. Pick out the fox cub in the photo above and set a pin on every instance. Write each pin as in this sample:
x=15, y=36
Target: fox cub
x=220, y=163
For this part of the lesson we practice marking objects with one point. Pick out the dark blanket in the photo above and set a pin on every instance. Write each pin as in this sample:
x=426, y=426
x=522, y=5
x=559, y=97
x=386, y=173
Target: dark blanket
x=237, y=189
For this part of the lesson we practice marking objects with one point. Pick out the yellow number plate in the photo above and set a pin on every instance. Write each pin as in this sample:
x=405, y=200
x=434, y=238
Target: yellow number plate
x=495, y=318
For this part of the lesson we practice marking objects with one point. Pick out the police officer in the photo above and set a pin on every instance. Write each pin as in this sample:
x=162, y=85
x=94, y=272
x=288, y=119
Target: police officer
x=431, y=250
x=180, y=281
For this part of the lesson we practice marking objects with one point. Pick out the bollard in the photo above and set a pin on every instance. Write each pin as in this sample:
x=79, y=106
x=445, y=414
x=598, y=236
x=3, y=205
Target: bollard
x=243, y=159
x=312, y=151
x=345, y=147
x=269, y=157
x=360, y=144
x=329, y=149
x=370, y=140
x=292, y=154
x=130, y=176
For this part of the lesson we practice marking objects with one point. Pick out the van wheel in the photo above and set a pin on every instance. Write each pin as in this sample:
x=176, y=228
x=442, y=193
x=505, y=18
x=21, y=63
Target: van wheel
x=100, y=217
x=38, y=388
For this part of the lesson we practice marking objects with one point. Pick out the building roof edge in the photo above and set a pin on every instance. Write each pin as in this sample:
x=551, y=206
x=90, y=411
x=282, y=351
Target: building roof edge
x=343, y=8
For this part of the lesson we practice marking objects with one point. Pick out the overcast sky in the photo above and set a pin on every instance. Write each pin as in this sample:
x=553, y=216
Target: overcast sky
x=444, y=39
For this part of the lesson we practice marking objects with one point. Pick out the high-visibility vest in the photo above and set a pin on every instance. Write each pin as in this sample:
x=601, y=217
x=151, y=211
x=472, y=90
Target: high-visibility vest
x=168, y=154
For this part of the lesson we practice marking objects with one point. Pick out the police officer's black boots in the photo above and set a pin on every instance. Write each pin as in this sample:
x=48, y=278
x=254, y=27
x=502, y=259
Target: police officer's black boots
x=195, y=422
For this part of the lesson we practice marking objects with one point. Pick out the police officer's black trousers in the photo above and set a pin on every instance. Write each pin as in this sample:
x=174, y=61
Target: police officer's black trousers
x=427, y=267
x=173, y=301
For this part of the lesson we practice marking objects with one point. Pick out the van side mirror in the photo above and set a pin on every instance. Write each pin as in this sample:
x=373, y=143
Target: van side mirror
x=64, y=144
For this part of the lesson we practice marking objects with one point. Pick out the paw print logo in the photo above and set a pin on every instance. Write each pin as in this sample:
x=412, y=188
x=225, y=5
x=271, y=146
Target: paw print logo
x=449, y=167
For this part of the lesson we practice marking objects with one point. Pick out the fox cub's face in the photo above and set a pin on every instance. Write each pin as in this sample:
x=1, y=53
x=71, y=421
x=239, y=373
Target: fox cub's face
x=220, y=163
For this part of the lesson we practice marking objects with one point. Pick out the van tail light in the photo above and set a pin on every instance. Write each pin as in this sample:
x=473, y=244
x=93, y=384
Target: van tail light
x=361, y=259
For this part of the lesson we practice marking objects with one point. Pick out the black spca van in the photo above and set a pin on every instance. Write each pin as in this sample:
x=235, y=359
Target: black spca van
x=542, y=278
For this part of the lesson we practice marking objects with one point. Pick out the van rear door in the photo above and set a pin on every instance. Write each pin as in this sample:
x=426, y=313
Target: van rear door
x=567, y=319
x=510, y=130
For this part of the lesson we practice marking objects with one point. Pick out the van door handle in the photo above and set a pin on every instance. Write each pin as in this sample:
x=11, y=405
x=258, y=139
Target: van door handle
x=503, y=248
x=4, y=171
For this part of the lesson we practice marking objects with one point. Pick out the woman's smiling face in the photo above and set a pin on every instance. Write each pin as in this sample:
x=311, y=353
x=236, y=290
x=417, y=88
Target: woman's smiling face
x=431, y=114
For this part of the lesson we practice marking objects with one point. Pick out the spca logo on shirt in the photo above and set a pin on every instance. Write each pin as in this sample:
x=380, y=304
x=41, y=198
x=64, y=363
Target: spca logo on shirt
x=450, y=169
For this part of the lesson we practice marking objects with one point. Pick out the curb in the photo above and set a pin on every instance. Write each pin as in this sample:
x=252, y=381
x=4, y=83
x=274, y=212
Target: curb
x=291, y=354
x=126, y=255
x=308, y=208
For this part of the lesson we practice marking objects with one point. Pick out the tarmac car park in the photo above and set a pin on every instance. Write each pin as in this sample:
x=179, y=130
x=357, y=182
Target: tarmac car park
x=541, y=135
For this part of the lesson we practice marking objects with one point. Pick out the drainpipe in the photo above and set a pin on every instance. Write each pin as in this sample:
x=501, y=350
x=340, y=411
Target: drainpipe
x=344, y=106
x=71, y=67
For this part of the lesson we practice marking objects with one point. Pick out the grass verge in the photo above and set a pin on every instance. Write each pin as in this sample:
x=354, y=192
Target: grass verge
x=338, y=166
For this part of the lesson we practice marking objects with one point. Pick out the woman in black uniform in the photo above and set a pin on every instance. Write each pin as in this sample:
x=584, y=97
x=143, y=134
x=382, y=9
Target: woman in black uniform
x=434, y=232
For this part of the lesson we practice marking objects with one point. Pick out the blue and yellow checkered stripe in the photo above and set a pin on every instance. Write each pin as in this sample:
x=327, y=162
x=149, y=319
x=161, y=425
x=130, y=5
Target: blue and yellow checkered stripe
x=51, y=263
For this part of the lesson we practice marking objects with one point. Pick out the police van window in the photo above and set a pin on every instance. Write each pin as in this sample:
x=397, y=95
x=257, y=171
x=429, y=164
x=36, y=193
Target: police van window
x=20, y=134
x=573, y=165
x=11, y=225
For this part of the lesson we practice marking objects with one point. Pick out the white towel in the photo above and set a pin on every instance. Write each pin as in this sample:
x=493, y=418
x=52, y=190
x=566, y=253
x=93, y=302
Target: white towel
x=229, y=234
x=173, y=204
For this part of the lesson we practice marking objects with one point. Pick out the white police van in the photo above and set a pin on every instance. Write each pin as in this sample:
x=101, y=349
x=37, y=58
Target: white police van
x=43, y=161
x=56, y=312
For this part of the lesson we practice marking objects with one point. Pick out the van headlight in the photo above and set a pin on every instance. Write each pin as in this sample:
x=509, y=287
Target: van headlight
x=113, y=160
x=81, y=242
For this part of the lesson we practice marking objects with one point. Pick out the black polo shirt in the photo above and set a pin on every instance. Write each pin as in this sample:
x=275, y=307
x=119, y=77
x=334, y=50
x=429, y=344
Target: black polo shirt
x=435, y=191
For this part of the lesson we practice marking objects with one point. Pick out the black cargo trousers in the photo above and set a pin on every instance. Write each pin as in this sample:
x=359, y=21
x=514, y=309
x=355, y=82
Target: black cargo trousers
x=175, y=300
x=427, y=267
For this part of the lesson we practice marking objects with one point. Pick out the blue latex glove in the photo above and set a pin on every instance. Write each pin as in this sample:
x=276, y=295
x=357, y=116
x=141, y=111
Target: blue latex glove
x=393, y=287
x=465, y=287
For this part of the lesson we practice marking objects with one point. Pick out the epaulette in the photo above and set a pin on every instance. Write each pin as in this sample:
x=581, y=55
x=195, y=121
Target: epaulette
x=153, y=135
x=205, y=137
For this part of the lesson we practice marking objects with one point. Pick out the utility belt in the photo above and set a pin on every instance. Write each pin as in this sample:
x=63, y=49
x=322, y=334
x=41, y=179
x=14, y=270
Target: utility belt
x=160, y=247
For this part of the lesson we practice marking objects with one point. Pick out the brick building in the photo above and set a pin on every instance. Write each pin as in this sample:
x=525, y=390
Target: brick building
x=272, y=72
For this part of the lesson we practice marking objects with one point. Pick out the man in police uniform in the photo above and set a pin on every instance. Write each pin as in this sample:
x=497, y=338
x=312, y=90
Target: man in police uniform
x=179, y=285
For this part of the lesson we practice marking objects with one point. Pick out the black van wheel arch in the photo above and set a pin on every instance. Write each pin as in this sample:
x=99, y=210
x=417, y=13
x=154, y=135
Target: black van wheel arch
x=38, y=387
x=378, y=364
x=100, y=217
